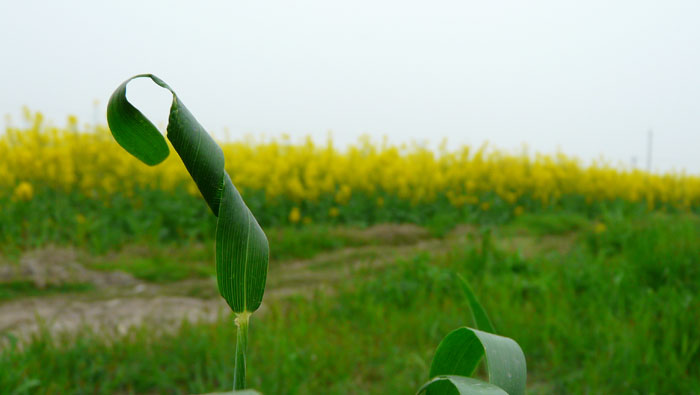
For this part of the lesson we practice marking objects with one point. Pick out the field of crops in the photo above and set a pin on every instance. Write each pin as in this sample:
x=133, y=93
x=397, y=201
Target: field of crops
x=107, y=276
x=87, y=183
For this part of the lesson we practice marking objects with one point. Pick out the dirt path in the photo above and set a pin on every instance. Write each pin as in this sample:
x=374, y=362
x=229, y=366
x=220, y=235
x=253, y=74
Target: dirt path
x=120, y=302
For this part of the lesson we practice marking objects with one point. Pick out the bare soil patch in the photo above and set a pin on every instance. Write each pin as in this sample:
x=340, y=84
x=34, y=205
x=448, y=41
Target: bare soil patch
x=53, y=266
x=120, y=301
x=386, y=234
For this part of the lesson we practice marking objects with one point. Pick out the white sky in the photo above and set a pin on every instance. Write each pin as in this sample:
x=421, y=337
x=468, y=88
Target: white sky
x=587, y=77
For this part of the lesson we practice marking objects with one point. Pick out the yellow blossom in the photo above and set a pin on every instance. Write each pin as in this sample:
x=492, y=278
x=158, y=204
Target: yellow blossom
x=599, y=227
x=72, y=121
x=295, y=215
x=24, y=191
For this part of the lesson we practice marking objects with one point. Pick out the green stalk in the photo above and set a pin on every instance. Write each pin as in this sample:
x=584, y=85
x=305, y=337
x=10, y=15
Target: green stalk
x=242, y=320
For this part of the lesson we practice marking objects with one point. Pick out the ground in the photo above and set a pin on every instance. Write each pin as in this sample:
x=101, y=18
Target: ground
x=596, y=309
x=116, y=300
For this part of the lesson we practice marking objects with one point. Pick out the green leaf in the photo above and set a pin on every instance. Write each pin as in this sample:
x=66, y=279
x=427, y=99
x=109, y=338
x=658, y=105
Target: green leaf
x=460, y=352
x=481, y=320
x=133, y=131
x=242, y=250
x=462, y=386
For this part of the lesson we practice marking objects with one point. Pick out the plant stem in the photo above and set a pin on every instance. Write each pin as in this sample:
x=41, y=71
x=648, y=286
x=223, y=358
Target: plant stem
x=241, y=346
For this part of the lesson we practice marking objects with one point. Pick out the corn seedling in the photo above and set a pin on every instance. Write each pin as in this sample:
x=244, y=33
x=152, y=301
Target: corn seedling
x=242, y=249
x=459, y=353
x=242, y=253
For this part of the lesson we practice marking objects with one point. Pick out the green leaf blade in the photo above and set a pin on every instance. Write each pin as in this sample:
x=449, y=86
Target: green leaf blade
x=459, y=353
x=201, y=155
x=505, y=362
x=461, y=385
x=481, y=319
x=241, y=263
x=132, y=130
x=461, y=350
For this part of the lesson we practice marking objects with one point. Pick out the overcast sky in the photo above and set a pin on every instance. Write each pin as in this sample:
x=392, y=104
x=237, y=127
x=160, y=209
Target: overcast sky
x=587, y=77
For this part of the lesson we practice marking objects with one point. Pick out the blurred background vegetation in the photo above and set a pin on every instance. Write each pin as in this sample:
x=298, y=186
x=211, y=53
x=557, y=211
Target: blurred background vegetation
x=107, y=274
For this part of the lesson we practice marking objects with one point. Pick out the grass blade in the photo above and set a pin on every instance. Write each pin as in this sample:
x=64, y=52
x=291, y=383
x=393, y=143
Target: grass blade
x=481, y=320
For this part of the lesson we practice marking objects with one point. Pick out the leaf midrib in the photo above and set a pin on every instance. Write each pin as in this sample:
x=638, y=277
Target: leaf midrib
x=245, y=265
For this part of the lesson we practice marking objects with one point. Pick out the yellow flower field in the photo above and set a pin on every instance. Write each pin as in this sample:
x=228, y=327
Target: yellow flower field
x=68, y=159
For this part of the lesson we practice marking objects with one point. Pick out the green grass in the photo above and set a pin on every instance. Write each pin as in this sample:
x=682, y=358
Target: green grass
x=23, y=289
x=550, y=223
x=158, y=268
x=168, y=263
x=305, y=242
x=150, y=216
x=159, y=263
x=617, y=313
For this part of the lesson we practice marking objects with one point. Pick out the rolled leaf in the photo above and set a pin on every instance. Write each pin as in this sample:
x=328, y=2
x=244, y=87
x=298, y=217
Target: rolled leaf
x=460, y=352
x=462, y=386
x=242, y=250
